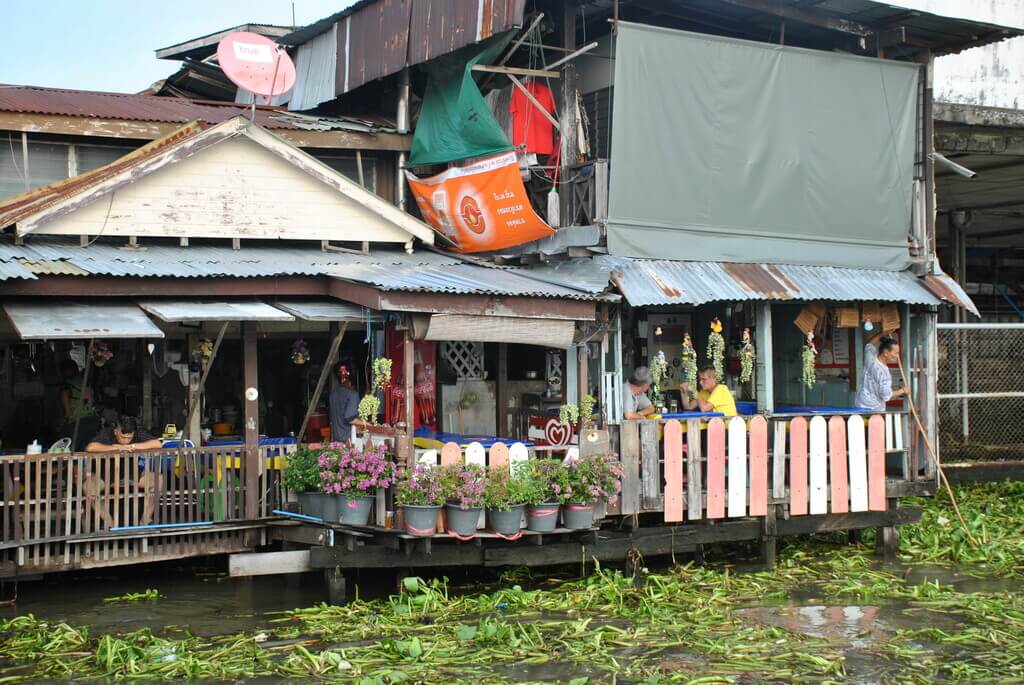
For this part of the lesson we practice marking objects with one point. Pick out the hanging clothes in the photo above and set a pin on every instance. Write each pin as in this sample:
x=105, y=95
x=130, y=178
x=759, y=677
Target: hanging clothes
x=529, y=126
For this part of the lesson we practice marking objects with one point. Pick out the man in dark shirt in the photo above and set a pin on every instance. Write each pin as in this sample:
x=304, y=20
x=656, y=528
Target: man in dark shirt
x=123, y=436
x=344, y=406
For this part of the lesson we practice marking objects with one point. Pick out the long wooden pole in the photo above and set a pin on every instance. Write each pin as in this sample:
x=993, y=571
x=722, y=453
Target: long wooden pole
x=335, y=344
x=194, y=404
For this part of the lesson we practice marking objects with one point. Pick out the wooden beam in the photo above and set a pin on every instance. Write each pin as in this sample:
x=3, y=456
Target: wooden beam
x=197, y=396
x=409, y=378
x=97, y=127
x=268, y=563
x=517, y=71
x=252, y=420
x=324, y=374
x=805, y=16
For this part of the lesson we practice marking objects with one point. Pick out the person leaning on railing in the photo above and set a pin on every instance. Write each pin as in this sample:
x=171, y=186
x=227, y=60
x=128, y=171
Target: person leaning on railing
x=712, y=396
x=635, y=403
x=125, y=435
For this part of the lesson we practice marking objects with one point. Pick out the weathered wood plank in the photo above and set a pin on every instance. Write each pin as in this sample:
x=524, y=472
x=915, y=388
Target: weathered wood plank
x=630, y=456
x=876, y=464
x=818, y=492
x=838, y=473
x=269, y=563
x=694, y=466
x=716, y=469
x=798, y=466
x=451, y=454
x=758, y=466
x=475, y=454
x=498, y=456
x=779, y=461
x=673, y=471
x=737, y=486
x=650, y=466
x=858, y=464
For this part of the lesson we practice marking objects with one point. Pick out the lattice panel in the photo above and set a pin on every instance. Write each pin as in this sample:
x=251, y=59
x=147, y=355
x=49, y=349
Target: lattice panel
x=467, y=358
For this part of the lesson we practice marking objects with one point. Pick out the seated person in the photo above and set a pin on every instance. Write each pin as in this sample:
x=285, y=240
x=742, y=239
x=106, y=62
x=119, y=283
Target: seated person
x=635, y=403
x=712, y=397
x=125, y=435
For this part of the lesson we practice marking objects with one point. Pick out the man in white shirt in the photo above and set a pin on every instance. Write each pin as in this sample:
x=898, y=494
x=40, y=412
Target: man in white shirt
x=635, y=403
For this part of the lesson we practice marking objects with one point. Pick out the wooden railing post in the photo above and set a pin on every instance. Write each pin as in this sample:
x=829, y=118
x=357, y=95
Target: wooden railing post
x=252, y=422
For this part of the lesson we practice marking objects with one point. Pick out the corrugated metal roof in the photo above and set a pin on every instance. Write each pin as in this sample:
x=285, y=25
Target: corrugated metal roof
x=948, y=290
x=422, y=271
x=660, y=282
x=136, y=107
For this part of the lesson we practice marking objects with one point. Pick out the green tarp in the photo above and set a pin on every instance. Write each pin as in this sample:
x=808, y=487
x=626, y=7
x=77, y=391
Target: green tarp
x=455, y=122
x=735, y=151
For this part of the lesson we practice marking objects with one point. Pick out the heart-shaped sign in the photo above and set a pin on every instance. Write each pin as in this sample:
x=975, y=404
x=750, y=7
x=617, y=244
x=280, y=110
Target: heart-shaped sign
x=557, y=433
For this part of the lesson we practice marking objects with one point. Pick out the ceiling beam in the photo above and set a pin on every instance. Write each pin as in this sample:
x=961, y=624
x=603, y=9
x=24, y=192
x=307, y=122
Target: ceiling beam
x=805, y=16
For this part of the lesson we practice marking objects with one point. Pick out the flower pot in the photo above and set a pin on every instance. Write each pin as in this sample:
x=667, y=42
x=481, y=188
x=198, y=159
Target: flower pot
x=578, y=515
x=421, y=519
x=542, y=518
x=462, y=521
x=355, y=511
x=332, y=508
x=506, y=522
x=312, y=503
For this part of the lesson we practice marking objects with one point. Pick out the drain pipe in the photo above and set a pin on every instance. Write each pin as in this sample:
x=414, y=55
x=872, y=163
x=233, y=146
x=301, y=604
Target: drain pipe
x=402, y=120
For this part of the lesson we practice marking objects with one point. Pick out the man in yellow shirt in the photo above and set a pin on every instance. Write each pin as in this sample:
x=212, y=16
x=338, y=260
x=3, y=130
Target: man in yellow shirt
x=712, y=397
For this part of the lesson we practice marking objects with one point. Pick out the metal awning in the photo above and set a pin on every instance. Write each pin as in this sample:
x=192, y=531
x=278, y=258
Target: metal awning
x=544, y=332
x=327, y=310
x=662, y=282
x=183, y=311
x=55, y=320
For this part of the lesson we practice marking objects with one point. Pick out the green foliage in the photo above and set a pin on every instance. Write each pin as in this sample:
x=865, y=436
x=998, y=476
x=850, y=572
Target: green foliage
x=504, y=489
x=543, y=481
x=808, y=358
x=303, y=472
x=144, y=596
x=369, y=408
x=381, y=373
x=569, y=413
x=716, y=353
x=586, y=409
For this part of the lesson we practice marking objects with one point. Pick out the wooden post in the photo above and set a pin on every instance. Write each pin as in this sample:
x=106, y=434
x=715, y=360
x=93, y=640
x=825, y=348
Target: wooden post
x=147, y=386
x=765, y=382
x=252, y=421
x=193, y=424
x=569, y=151
x=501, y=427
x=409, y=374
x=583, y=373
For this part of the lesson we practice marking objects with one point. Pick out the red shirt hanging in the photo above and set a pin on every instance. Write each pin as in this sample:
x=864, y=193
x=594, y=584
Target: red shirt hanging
x=529, y=126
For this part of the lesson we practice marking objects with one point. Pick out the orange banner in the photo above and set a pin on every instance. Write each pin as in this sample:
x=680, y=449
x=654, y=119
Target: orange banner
x=480, y=207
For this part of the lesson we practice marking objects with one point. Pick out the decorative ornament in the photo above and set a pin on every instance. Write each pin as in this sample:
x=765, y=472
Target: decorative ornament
x=381, y=373
x=747, y=357
x=300, y=352
x=716, y=348
x=101, y=353
x=689, y=358
x=659, y=370
x=368, y=409
x=810, y=356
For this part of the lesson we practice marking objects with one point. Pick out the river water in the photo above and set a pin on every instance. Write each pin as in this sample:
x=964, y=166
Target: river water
x=207, y=602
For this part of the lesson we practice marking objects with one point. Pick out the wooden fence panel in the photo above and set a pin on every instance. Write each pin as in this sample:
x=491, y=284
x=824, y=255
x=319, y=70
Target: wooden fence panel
x=758, y=466
x=798, y=466
x=818, y=492
x=876, y=464
x=858, y=464
x=673, y=472
x=650, y=466
x=838, y=473
x=694, y=471
x=737, y=433
x=630, y=456
x=716, y=469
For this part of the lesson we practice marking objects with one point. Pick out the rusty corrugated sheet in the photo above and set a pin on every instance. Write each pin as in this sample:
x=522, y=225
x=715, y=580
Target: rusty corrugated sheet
x=150, y=108
x=663, y=282
x=948, y=290
x=442, y=26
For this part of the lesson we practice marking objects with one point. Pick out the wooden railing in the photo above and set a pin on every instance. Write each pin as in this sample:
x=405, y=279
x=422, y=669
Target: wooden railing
x=61, y=509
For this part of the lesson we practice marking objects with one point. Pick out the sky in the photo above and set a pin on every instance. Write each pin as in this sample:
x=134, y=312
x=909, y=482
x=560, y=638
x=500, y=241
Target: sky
x=109, y=44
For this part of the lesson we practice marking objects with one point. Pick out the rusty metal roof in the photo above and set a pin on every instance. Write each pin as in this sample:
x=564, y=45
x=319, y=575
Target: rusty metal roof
x=948, y=290
x=152, y=108
x=663, y=282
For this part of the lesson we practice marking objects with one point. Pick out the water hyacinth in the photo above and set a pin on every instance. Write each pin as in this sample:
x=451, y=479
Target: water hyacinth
x=463, y=485
x=353, y=472
x=420, y=487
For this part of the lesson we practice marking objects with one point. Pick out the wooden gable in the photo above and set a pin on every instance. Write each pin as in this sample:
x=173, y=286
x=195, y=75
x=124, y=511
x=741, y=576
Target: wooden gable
x=235, y=180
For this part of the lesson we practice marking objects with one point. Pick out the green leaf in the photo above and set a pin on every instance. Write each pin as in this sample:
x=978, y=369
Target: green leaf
x=397, y=677
x=411, y=584
x=465, y=633
x=415, y=648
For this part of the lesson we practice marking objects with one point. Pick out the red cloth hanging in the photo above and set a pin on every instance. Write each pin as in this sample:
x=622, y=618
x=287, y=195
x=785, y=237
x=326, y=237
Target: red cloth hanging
x=529, y=126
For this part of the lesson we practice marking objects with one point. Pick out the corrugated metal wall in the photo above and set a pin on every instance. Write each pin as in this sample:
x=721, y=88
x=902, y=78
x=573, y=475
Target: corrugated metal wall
x=315, y=66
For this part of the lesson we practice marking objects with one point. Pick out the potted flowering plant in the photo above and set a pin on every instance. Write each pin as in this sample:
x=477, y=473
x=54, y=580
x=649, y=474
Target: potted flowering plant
x=463, y=487
x=506, y=492
x=584, y=482
x=543, y=488
x=302, y=476
x=420, y=495
x=354, y=474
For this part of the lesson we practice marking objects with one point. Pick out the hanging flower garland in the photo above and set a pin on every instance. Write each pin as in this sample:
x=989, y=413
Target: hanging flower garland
x=381, y=373
x=747, y=357
x=369, y=407
x=689, y=357
x=569, y=414
x=101, y=353
x=810, y=356
x=659, y=370
x=716, y=348
x=300, y=352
